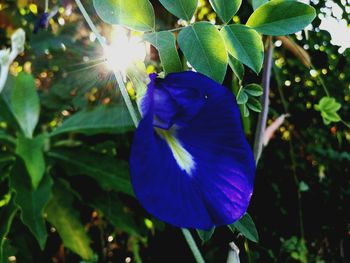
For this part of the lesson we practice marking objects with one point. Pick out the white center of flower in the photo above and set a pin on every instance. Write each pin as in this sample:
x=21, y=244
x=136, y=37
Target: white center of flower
x=183, y=158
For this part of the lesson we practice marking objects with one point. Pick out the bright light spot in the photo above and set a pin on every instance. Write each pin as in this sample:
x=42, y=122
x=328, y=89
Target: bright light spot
x=110, y=238
x=331, y=21
x=313, y=73
x=127, y=260
x=61, y=21
x=278, y=43
x=124, y=49
x=92, y=37
x=287, y=83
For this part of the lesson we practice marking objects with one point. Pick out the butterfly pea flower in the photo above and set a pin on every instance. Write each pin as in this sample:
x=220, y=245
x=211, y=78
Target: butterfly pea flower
x=44, y=19
x=190, y=163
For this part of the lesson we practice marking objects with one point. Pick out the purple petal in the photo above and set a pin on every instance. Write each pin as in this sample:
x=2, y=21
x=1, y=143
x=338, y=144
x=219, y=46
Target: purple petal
x=206, y=122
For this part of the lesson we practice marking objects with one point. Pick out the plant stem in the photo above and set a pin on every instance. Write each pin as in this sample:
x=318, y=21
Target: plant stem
x=193, y=246
x=261, y=126
x=117, y=73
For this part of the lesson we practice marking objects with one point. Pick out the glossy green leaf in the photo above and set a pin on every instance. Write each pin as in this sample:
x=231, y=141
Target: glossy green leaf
x=242, y=97
x=329, y=107
x=204, y=235
x=254, y=104
x=115, y=119
x=135, y=14
x=165, y=43
x=65, y=218
x=257, y=3
x=31, y=152
x=226, y=9
x=7, y=214
x=236, y=66
x=31, y=202
x=245, y=111
x=281, y=17
x=247, y=227
x=181, y=8
x=245, y=44
x=204, y=49
x=254, y=90
x=25, y=103
x=112, y=175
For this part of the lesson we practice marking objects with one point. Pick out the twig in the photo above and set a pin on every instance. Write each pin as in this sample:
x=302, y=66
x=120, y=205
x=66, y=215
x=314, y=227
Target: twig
x=261, y=126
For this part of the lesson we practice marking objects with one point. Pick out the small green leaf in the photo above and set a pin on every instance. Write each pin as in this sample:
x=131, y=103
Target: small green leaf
x=236, y=66
x=254, y=90
x=226, y=9
x=115, y=119
x=181, y=8
x=247, y=227
x=281, y=17
x=165, y=43
x=7, y=214
x=245, y=111
x=65, y=218
x=31, y=152
x=31, y=202
x=25, y=103
x=329, y=107
x=242, y=97
x=303, y=187
x=112, y=175
x=258, y=3
x=254, y=104
x=204, y=49
x=135, y=14
x=204, y=235
x=244, y=44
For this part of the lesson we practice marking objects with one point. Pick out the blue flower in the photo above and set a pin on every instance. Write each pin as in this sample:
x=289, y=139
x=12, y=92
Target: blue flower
x=190, y=163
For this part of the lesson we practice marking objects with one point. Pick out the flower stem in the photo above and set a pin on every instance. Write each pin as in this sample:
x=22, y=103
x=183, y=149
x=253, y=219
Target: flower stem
x=193, y=246
x=117, y=73
x=261, y=126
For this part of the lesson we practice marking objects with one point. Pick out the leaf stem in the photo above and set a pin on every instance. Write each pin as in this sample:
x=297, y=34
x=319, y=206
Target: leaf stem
x=193, y=246
x=261, y=126
x=117, y=73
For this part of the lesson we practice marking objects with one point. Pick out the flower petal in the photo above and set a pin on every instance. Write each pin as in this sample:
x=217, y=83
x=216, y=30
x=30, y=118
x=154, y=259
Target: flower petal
x=217, y=189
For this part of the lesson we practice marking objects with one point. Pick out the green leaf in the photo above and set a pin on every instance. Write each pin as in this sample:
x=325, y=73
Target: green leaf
x=65, y=218
x=204, y=49
x=242, y=97
x=245, y=111
x=226, y=9
x=25, y=103
x=329, y=107
x=165, y=43
x=254, y=104
x=135, y=14
x=7, y=214
x=205, y=236
x=101, y=119
x=247, y=227
x=281, y=17
x=112, y=208
x=181, y=8
x=245, y=44
x=236, y=66
x=31, y=152
x=254, y=90
x=31, y=202
x=303, y=187
x=112, y=175
x=257, y=3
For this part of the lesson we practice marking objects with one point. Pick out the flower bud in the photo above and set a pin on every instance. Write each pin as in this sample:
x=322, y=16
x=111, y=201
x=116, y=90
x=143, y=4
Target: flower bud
x=18, y=39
